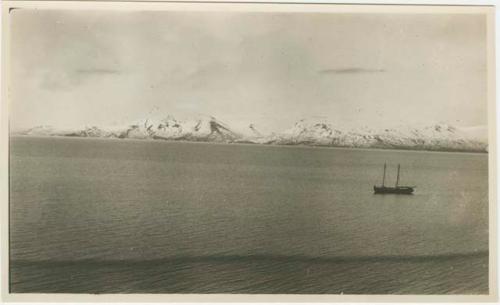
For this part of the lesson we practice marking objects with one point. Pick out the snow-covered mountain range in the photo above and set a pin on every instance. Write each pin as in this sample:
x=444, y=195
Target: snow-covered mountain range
x=437, y=137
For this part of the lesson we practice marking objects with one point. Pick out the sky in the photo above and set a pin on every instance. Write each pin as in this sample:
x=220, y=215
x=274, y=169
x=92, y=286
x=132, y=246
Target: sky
x=71, y=68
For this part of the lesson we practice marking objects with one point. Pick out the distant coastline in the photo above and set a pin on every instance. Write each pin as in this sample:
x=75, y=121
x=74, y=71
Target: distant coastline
x=304, y=145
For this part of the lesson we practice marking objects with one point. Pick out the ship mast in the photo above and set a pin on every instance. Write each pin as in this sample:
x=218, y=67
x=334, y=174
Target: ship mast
x=397, y=179
x=383, y=179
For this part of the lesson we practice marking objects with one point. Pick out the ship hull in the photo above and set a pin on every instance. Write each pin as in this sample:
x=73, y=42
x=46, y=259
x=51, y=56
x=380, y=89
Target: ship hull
x=403, y=190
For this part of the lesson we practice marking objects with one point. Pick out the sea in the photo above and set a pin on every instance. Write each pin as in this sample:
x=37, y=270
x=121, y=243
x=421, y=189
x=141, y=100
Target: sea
x=146, y=216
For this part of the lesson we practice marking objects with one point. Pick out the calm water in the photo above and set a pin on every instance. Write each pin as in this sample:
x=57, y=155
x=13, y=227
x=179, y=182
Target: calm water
x=98, y=216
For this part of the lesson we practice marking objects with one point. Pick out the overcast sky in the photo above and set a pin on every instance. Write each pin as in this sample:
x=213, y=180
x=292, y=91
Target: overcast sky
x=271, y=69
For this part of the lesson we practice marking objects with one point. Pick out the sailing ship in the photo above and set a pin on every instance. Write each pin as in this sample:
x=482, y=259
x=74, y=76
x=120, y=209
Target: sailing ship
x=397, y=189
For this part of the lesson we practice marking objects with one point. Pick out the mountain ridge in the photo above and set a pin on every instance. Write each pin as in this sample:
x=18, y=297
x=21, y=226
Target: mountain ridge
x=435, y=137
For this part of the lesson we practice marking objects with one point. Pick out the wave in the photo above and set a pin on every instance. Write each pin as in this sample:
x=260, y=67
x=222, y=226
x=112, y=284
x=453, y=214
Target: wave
x=259, y=258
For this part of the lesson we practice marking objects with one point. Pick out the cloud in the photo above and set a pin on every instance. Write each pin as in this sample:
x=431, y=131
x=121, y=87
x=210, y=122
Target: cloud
x=353, y=70
x=65, y=80
x=96, y=71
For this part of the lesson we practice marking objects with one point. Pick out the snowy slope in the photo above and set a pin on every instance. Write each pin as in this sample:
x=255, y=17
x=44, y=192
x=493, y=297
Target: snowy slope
x=198, y=129
x=434, y=137
x=305, y=132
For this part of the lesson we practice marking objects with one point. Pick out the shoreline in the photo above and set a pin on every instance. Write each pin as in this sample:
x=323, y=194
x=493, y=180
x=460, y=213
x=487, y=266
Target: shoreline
x=301, y=145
